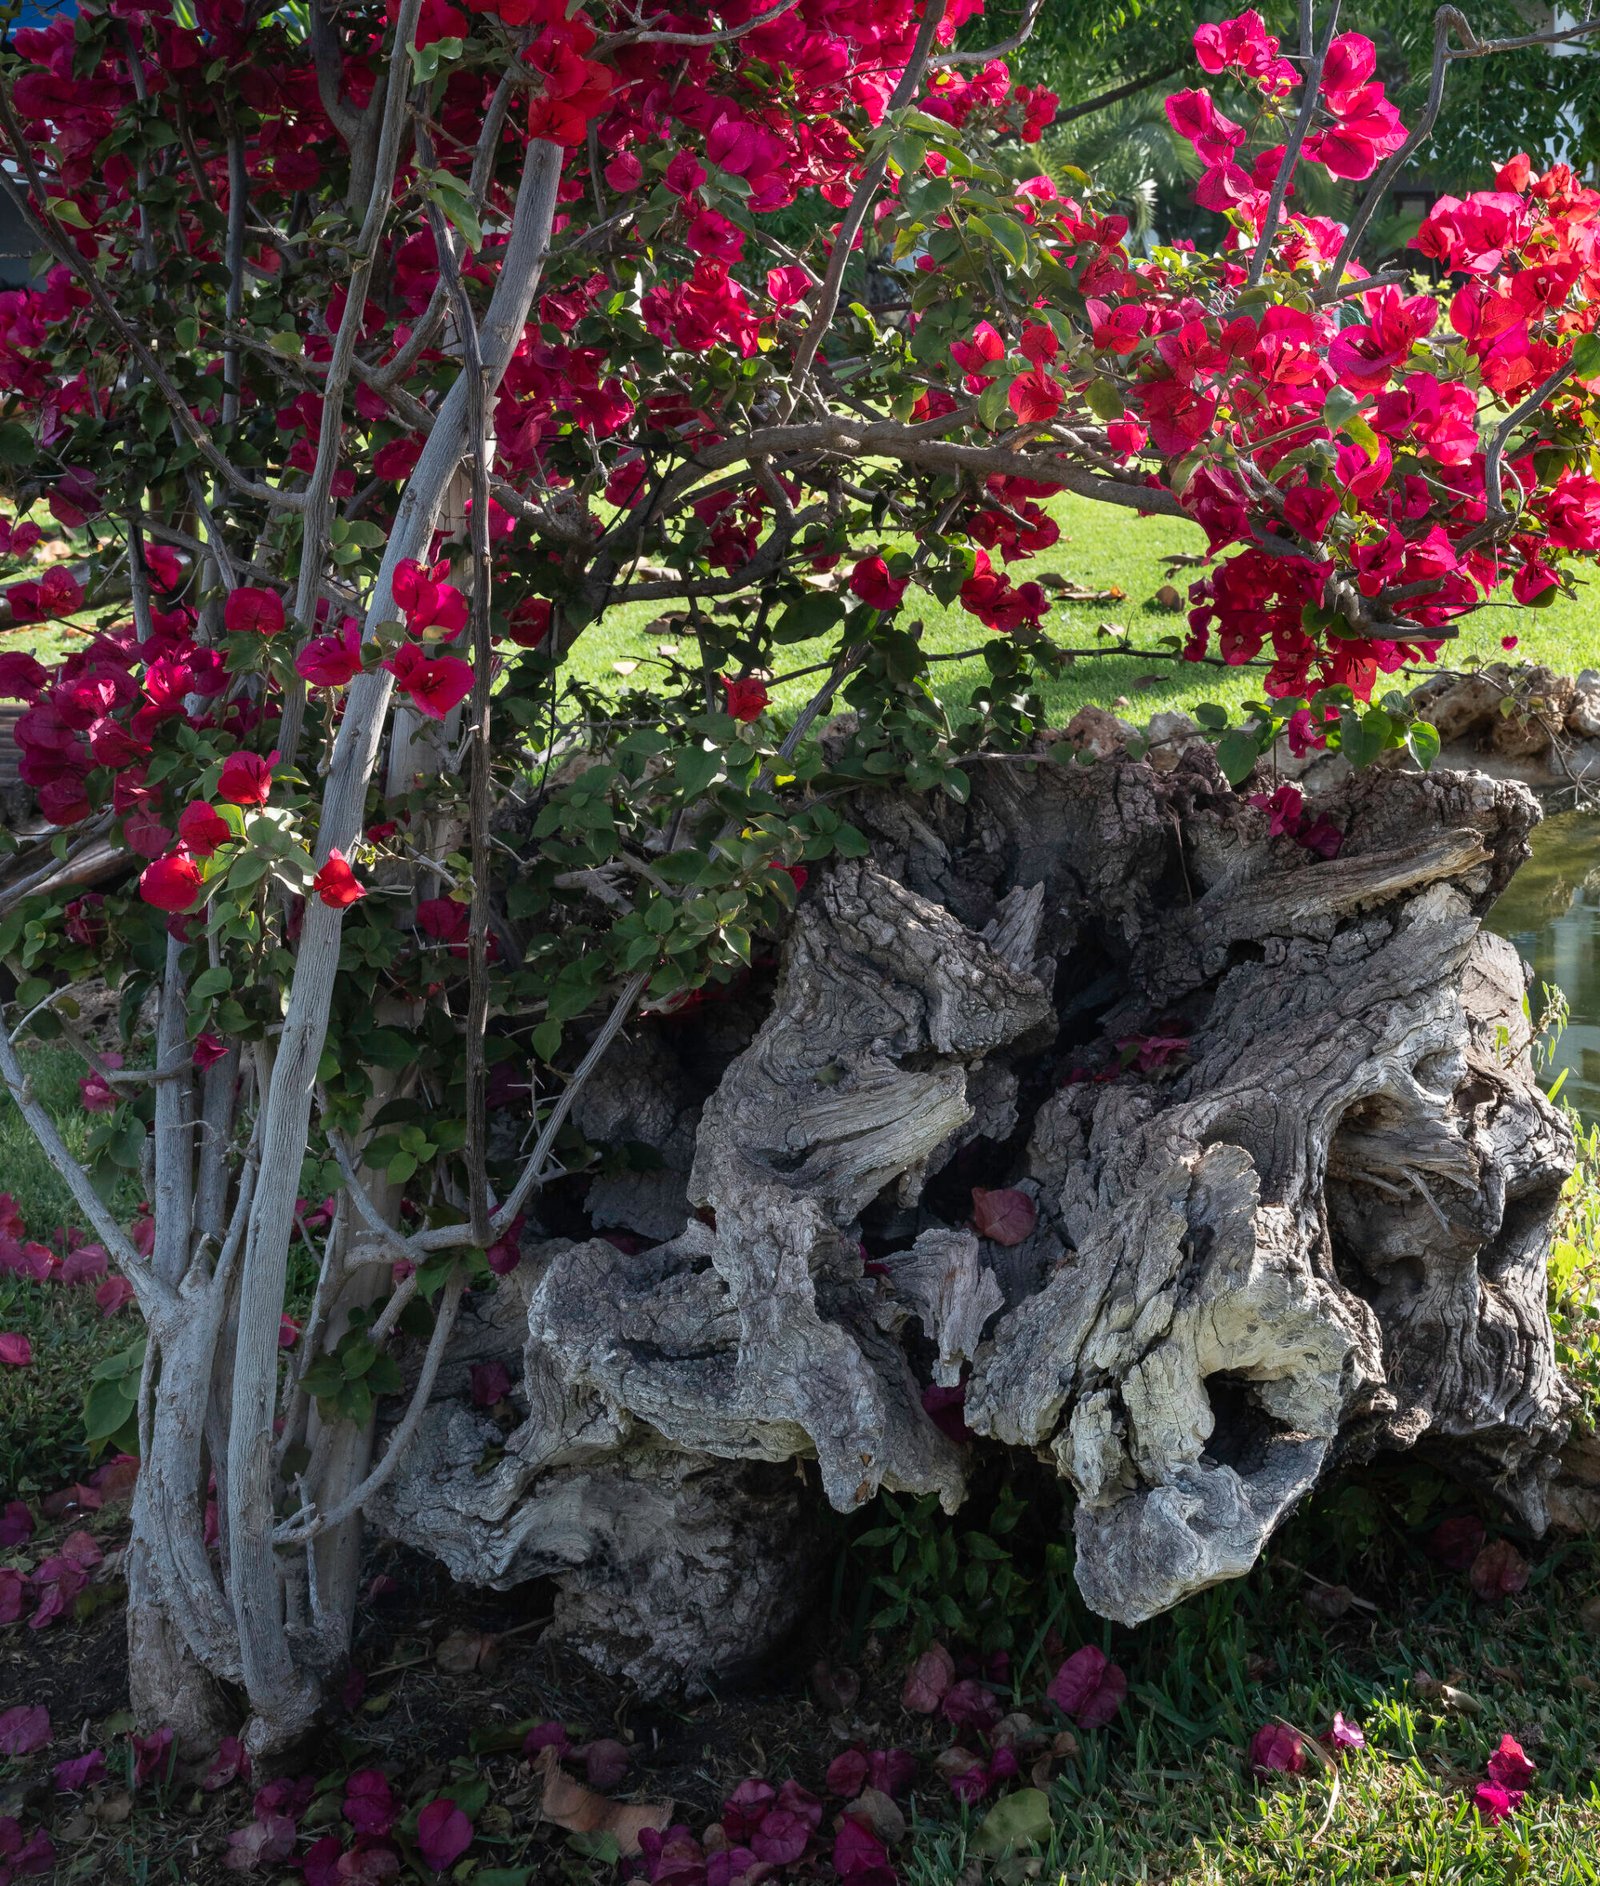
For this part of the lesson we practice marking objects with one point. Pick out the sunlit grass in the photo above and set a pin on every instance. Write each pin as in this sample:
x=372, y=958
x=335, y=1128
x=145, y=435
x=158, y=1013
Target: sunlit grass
x=1104, y=548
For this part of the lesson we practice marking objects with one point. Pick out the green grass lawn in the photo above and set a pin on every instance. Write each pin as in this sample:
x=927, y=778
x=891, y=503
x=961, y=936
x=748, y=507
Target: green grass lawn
x=41, y=1408
x=1165, y=1793
x=1102, y=548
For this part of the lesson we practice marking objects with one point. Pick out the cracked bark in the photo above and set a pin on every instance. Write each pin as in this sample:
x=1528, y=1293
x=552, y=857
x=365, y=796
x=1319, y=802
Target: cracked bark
x=1316, y=1232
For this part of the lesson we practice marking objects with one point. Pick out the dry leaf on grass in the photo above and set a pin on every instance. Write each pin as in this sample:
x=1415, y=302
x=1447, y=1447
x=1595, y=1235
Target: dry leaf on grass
x=1431, y=1690
x=580, y=1810
x=881, y=1816
x=465, y=1651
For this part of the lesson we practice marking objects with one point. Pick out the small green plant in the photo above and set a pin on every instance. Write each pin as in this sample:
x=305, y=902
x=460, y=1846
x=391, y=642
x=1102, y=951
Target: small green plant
x=934, y=1578
x=1574, y=1273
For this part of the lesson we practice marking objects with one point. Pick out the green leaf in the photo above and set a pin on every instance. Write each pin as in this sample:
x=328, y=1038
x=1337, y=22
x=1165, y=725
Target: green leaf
x=211, y=982
x=1586, y=357
x=547, y=1040
x=809, y=615
x=1237, y=753
x=458, y=208
x=993, y=405
x=323, y=1378
x=1363, y=435
x=105, y=1408
x=1103, y=399
x=357, y=1355
x=1009, y=237
x=1020, y=1820
x=16, y=446
x=389, y=1048
x=1339, y=406
x=426, y=60
x=1422, y=742
x=1363, y=738
x=384, y=1377
x=695, y=768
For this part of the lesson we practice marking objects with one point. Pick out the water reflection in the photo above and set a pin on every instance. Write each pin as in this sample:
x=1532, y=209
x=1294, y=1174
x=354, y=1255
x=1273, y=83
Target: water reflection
x=1551, y=911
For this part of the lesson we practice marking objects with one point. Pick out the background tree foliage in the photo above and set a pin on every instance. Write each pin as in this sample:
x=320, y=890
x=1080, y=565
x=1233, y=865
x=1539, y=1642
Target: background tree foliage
x=1535, y=100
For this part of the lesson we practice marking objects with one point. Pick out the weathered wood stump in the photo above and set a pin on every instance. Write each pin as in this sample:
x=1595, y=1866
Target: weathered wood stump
x=1293, y=1182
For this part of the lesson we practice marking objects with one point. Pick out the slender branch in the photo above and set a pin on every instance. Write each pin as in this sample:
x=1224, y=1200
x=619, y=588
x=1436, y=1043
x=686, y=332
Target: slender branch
x=1116, y=95
x=1291, y=153
x=326, y=54
x=530, y=1175
x=233, y=306
x=318, y=496
x=648, y=36
x=276, y=1683
x=866, y=189
x=1446, y=20
x=1020, y=38
x=1360, y=285
x=301, y=1530
x=913, y=445
x=398, y=1244
x=478, y=734
x=1502, y=434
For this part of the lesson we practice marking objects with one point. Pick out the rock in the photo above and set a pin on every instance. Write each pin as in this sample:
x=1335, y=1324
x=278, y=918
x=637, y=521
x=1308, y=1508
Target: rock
x=1094, y=730
x=1583, y=716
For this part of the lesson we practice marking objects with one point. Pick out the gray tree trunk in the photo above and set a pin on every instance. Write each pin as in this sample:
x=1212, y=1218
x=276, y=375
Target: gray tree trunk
x=1292, y=1174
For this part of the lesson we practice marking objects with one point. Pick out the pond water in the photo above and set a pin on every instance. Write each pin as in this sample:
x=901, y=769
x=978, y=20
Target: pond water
x=1551, y=911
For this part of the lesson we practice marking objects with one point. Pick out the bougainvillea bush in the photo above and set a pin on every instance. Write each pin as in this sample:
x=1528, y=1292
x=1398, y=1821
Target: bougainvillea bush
x=377, y=353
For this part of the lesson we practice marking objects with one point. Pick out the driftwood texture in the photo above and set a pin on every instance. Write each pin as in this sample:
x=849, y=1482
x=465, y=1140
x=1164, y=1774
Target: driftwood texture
x=1316, y=1230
